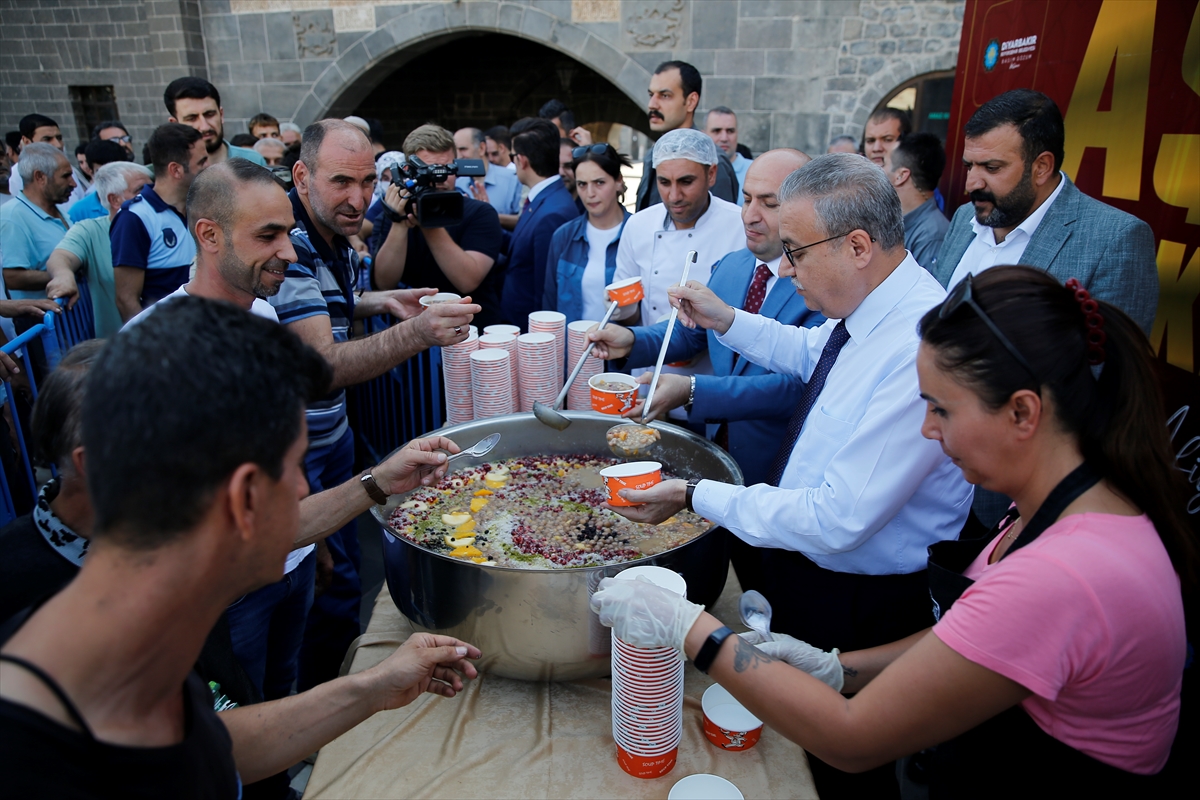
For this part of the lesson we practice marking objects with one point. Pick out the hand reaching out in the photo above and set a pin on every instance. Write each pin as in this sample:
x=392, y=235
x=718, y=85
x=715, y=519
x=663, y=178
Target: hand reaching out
x=426, y=662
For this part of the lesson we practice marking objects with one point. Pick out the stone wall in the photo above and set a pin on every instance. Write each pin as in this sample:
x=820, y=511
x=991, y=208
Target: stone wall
x=796, y=71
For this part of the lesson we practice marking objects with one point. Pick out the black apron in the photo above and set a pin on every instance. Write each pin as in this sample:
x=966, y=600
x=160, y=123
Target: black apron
x=1009, y=755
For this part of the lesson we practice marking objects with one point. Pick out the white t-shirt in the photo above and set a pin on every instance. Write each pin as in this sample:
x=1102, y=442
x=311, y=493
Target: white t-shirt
x=260, y=308
x=592, y=286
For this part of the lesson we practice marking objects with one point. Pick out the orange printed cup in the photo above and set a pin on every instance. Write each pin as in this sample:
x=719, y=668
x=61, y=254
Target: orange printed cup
x=626, y=292
x=634, y=475
x=727, y=723
x=613, y=392
x=647, y=766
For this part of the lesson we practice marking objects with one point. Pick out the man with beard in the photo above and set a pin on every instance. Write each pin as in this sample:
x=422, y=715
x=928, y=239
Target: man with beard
x=1023, y=210
x=32, y=225
x=334, y=183
x=196, y=103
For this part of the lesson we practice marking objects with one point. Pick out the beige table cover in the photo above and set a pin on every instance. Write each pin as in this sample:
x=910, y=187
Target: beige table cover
x=502, y=738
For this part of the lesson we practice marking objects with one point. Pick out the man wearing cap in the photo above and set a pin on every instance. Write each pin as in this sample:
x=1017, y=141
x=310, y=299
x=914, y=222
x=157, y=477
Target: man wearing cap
x=656, y=240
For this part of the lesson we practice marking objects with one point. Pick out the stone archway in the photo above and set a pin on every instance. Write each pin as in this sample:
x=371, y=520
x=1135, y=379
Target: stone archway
x=358, y=71
x=884, y=82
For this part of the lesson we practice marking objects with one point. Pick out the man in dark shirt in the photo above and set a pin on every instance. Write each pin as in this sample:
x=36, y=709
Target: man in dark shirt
x=192, y=507
x=456, y=258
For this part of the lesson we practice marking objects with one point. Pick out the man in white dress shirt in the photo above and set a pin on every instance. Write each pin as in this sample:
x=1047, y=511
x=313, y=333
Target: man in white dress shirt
x=856, y=494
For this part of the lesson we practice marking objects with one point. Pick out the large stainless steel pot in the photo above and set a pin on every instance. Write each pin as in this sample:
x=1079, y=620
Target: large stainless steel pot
x=536, y=624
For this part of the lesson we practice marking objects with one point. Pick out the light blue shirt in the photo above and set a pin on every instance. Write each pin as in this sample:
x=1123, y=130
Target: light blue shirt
x=28, y=235
x=87, y=208
x=741, y=165
x=503, y=189
x=246, y=153
x=863, y=491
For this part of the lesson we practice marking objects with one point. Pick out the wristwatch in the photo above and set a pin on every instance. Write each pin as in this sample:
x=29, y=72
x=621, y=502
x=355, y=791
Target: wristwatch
x=710, y=648
x=377, y=494
x=687, y=497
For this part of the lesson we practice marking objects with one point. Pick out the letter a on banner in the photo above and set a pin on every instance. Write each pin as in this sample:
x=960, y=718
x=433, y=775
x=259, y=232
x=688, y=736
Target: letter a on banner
x=1121, y=43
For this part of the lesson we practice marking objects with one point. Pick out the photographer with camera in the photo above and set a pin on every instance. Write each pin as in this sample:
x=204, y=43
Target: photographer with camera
x=456, y=257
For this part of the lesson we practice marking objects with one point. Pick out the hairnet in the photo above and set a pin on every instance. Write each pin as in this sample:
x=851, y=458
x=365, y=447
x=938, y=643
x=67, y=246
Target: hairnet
x=686, y=143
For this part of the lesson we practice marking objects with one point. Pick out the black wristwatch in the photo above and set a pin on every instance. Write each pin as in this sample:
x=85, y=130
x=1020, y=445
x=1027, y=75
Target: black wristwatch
x=687, y=496
x=710, y=648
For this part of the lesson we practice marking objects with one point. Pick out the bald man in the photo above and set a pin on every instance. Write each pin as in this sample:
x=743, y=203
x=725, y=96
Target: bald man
x=743, y=407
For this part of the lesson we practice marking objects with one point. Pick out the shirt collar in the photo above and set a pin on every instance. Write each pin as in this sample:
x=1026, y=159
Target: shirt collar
x=543, y=184
x=20, y=195
x=318, y=242
x=64, y=541
x=1030, y=223
x=772, y=265
x=925, y=208
x=883, y=299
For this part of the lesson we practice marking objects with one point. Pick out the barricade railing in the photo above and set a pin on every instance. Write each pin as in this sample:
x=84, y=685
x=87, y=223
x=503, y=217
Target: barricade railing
x=77, y=324
x=401, y=404
x=47, y=332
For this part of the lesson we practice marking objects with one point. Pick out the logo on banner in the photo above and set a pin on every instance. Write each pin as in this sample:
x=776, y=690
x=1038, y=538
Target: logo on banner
x=169, y=237
x=991, y=55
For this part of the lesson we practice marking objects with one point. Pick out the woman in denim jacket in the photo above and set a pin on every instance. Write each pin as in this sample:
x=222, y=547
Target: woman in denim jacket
x=583, y=252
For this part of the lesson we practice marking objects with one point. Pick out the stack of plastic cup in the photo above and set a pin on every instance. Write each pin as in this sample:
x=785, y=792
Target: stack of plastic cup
x=579, y=397
x=647, y=694
x=513, y=329
x=492, y=388
x=456, y=373
x=502, y=341
x=551, y=322
x=538, y=379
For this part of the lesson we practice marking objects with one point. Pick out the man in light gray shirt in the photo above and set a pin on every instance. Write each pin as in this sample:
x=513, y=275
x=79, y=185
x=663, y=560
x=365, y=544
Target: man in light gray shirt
x=914, y=168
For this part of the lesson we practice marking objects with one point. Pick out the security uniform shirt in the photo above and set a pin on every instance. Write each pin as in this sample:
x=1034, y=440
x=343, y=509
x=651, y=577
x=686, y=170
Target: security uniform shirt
x=150, y=235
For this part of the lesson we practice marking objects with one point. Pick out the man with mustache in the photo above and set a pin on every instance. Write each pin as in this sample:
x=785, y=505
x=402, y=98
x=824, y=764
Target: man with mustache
x=196, y=103
x=674, y=97
x=334, y=182
x=1024, y=210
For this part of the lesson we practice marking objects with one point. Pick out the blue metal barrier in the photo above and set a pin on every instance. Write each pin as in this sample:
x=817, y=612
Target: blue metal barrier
x=46, y=332
x=403, y=403
x=77, y=324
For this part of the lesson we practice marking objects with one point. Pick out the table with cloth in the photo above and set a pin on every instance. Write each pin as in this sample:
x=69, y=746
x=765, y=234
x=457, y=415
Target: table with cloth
x=503, y=738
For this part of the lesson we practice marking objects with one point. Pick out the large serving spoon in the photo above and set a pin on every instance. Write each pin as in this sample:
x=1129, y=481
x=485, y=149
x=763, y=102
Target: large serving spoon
x=477, y=450
x=630, y=440
x=756, y=614
x=548, y=415
x=688, y=260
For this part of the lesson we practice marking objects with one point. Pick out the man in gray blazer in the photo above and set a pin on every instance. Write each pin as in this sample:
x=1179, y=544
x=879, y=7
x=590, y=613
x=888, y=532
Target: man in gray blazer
x=1023, y=210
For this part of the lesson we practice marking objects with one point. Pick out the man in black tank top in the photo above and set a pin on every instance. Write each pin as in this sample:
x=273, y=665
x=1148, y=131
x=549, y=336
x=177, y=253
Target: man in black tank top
x=194, y=446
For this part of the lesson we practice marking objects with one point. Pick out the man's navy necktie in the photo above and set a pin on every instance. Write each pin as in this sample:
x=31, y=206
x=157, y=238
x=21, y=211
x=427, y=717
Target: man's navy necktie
x=808, y=399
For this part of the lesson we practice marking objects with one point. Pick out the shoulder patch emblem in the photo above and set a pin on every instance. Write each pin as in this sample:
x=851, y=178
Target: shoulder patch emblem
x=169, y=238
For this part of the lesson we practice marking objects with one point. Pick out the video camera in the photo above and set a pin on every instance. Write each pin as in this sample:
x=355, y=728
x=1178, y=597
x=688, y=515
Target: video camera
x=433, y=208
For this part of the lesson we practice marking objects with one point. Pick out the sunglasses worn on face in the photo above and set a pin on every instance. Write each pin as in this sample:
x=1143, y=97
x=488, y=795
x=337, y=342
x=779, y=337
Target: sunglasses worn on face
x=960, y=295
x=792, y=260
x=597, y=149
x=126, y=139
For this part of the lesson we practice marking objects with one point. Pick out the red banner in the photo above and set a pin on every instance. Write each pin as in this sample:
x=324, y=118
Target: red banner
x=1126, y=74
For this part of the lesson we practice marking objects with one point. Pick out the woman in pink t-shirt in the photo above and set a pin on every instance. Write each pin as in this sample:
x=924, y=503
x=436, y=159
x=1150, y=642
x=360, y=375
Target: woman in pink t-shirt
x=1058, y=668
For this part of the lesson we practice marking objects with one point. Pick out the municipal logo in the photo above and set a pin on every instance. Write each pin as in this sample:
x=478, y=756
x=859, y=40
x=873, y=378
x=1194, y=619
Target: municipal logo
x=169, y=238
x=991, y=55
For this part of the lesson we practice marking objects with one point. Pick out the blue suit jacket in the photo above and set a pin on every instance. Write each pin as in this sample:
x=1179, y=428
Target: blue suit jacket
x=525, y=277
x=756, y=403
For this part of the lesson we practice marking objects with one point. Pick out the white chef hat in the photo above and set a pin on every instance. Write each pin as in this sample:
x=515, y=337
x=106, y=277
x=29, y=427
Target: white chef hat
x=686, y=143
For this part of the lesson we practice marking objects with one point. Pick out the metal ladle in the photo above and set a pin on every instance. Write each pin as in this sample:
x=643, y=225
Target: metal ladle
x=756, y=614
x=548, y=415
x=634, y=428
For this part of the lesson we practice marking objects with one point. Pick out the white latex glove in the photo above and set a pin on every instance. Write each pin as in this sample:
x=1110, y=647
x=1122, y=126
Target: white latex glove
x=823, y=666
x=644, y=615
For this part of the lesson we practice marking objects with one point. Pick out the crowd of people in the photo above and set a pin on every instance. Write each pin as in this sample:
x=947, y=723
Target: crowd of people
x=912, y=398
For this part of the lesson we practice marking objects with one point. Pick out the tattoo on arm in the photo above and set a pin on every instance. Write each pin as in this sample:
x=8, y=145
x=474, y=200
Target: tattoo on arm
x=849, y=672
x=747, y=656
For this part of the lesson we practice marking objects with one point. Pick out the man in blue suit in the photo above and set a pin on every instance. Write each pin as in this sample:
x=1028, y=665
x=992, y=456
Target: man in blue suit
x=549, y=205
x=743, y=407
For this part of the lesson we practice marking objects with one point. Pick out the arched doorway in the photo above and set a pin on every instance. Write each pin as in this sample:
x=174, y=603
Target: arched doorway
x=480, y=80
x=927, y=98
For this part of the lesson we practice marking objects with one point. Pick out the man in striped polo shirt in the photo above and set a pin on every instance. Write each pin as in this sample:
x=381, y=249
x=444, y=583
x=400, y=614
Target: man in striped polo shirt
x=334, y=183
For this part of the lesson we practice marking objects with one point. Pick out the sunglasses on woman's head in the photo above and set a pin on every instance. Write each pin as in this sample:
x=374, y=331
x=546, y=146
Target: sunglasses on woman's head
x=962, y=295
x=596, y=149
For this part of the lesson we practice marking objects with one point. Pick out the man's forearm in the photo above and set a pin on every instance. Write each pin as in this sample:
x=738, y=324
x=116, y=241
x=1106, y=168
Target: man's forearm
x=324, y=512
x=388, y=269
x=62, y=264
x=128, y=291
x=509, y=221
x=360, y=360
x=25, y=279
x=465, y=270
x=270, y=737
